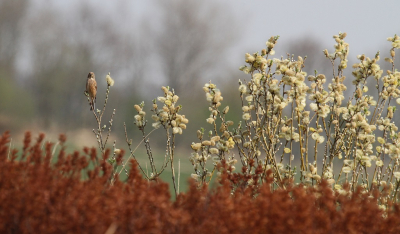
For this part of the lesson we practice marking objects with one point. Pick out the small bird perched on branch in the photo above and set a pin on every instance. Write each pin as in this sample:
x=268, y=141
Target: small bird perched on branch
x=91, y=89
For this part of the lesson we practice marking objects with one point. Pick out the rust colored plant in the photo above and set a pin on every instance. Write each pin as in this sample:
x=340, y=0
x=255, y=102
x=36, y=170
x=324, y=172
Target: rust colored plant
x=70, y=193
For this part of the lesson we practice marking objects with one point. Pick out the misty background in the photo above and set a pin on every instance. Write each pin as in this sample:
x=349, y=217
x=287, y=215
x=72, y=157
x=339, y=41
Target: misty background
x=47, y=48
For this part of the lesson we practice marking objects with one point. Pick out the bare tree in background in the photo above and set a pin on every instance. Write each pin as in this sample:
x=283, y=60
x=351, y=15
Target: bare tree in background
x=190, y=40
x=12, y=14
x=64, y=49
x=61, y=45
x=14, y=102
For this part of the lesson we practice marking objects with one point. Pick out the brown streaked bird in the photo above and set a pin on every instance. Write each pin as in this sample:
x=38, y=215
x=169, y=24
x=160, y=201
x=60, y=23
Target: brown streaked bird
x=91, y=89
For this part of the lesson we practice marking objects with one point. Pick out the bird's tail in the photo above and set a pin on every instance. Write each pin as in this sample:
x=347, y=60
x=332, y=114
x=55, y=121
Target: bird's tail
x=93, y=104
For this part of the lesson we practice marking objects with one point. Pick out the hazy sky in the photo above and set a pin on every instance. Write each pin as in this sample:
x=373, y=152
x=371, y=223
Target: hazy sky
x=368, y=22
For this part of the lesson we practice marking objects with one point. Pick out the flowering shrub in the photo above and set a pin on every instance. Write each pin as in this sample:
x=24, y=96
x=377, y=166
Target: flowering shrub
x=303, y=129
x=39, y=194
x=294, y=124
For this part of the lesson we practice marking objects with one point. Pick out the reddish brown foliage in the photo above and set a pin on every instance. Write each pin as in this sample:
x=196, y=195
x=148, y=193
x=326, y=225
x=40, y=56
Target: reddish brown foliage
x=38, y=196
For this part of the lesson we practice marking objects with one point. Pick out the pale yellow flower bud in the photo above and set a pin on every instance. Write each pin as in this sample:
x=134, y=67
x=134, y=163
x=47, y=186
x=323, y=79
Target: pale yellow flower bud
x=214, y=151
x=242, y=88
x=194, y=176
x=225, y=110
x=184, y=120
x=249, y=98
x=196, y=146
x=161, y=99
x=396, y=175
x=246, y=116
x=168, y=102
x=321, y=139
x=331, y=181
x=313, y=169
x=346, y=170
x=317, y=177
x=249, y=58
x=137, y=108
x=156, y=125
x=210, y=120
x=313, y=106
x=163, y=88
x=245, y=108
x=110, y=81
